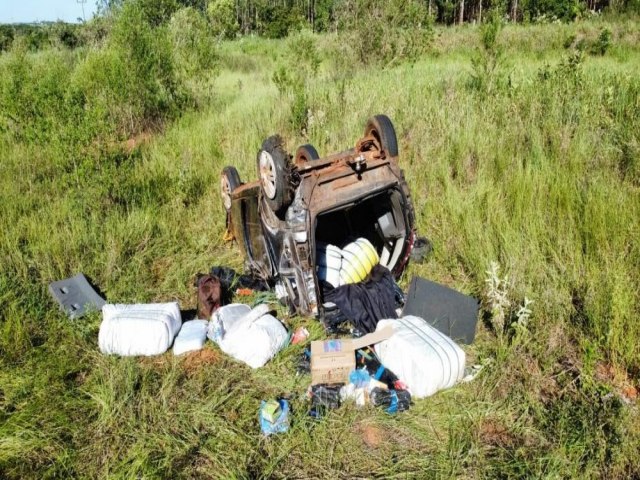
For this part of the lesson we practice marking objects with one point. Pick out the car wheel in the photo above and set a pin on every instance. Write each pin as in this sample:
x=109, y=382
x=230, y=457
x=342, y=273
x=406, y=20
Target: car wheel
x=274, y=172
x=306, y=153
x=229, y=181
x=381, y=128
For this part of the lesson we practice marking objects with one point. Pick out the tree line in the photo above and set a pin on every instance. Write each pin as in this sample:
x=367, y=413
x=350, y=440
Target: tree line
x=277, y=18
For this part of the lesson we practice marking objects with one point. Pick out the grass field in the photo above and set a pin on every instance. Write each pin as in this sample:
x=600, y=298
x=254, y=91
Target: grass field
x=537, y=167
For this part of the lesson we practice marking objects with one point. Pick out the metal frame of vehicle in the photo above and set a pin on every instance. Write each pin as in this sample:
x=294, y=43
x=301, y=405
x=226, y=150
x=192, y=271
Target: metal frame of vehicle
x=280, y=247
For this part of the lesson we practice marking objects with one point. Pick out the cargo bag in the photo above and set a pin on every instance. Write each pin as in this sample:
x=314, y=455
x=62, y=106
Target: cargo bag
x=252, y=336
x=139, y=329
x=421, y=356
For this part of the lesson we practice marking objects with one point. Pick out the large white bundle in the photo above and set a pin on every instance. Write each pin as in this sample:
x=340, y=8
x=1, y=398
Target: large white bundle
x=139, y=329
x=251, y=336
x=421, y=356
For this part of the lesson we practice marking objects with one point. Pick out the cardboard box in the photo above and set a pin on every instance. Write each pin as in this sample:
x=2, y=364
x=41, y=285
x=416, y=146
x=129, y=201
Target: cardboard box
x=333, y=360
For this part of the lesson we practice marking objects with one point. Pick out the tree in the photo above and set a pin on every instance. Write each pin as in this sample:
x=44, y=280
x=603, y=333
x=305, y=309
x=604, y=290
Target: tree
x=222, y=15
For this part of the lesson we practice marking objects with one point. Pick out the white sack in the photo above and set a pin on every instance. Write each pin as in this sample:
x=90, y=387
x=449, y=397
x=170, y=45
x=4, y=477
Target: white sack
x=191, y=337
x=140, y=329
x=421, y=356
x=251, y=336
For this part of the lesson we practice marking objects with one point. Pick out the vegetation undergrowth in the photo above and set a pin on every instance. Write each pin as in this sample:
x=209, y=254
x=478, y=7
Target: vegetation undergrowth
x=522, y=152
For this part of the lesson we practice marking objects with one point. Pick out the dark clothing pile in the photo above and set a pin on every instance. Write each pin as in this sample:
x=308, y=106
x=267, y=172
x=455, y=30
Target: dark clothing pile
x=231, y=280
x=367, y=302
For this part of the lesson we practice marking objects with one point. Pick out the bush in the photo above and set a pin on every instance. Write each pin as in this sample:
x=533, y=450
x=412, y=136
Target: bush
x=129, y=82
x=302, y=62
x=487, y=62
x=6, y=37
x=193, y=46
x=33, y=106
x=222, y=15
x=278, y=21
x=602, y=43
x=65, y=34
x=384, y=35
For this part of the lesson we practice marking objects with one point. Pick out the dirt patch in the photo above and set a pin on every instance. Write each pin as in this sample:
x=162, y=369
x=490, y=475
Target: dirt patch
x=630, y=393
x=619, y=379
x=495, y=434
x=372, y=435
x=195, y=361
x=134, y=142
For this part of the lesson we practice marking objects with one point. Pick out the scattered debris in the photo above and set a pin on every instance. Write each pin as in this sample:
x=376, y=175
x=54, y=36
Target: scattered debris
x=393, y=400
x=274, y=416
x=333, y=360
x=362, y=241
x=210, y=295
x=76, y=296
x=300, y=335
x=324, y=397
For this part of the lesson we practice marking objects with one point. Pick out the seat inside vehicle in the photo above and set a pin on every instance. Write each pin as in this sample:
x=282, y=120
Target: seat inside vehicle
x=379, y=219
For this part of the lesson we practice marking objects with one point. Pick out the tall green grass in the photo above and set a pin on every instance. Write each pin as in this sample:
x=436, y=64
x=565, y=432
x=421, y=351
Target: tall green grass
x=540, y=174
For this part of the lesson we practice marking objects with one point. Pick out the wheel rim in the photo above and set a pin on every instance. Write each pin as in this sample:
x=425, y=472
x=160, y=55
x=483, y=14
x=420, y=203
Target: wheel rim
x=268, y=174
x=225, y=189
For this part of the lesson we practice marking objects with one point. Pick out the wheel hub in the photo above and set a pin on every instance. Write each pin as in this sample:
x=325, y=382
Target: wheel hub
x=268, y=174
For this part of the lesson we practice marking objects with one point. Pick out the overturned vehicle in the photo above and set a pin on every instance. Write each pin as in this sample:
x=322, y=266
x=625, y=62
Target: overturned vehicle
x=303, y=203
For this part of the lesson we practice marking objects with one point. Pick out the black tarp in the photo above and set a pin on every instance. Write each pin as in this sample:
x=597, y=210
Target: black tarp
x=447, y=310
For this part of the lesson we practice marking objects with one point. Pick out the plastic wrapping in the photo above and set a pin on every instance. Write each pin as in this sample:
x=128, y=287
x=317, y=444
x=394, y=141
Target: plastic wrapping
x=139, y=329
x=393, y=400
x=191, y=337
x=421, y=356
x=249, y=335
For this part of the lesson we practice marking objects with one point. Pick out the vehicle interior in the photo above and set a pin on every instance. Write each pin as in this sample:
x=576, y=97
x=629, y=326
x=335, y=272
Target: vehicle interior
x=379, y=218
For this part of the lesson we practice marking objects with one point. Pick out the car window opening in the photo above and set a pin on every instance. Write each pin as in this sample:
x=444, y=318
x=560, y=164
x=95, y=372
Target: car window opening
x=379, y=219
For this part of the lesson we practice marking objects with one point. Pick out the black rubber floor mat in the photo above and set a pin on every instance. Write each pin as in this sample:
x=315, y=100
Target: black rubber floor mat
x=76, y=296
x=447, y=310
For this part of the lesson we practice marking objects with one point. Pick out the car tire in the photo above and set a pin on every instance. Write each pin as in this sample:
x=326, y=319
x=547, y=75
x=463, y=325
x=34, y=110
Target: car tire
x=274, y=174
x=306, y=153
x=381, y=127
x=229, y=181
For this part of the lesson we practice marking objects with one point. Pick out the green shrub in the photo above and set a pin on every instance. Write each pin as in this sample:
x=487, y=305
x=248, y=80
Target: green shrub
x=277, y=21
x=33, y=106
x=130, y=81
x=487, y=63
x=222, y=15
x=302, y=62
x=383, y=35
x=602, y=43
x=6, y=37
x=193, y=46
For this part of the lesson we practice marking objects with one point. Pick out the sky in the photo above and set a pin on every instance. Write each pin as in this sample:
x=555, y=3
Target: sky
x=27, y=11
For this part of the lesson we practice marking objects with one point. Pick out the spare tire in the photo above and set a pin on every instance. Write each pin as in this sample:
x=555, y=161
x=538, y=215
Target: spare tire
x=381, y=128
x=274, y=173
